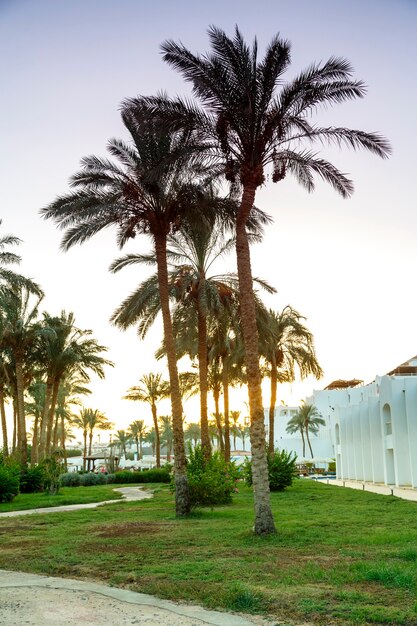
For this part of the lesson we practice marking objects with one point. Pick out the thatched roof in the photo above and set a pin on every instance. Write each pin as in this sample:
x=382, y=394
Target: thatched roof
x=407, y=368
x=343, y=384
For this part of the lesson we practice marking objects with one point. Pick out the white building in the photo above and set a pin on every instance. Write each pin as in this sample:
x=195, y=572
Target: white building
x=321, y=443
x=374, y=427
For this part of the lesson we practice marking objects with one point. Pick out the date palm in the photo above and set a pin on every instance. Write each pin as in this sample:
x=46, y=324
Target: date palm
x=65, y=350
x=285, y=342
x=137, y=431
x=147, y=192
x=165, y=422
x=253, y=123
x=20, y=331
x=151, y=390
x=122, y=439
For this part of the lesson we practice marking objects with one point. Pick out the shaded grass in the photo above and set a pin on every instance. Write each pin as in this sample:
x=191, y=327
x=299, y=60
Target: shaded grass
x=340, y=557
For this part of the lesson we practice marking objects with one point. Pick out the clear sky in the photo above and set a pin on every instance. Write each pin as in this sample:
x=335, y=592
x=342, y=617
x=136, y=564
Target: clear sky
x=348, y=265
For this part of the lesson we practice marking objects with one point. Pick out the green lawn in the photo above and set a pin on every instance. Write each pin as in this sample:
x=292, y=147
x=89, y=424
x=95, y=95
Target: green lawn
x=340, y=557
x=66, y=495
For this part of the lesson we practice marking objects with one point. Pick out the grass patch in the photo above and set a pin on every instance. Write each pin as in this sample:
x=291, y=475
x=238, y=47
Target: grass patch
x=324, y=566
x=66, y=495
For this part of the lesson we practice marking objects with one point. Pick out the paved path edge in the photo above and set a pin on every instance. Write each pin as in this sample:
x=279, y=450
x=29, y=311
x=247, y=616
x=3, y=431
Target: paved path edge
x=10, y=579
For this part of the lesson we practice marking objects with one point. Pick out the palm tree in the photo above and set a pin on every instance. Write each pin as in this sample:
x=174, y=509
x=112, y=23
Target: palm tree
x=82, y=421
x=193, y=432
x=166, y=434
x=65, y=349
x=138, y=430
x=151, y=390
x=149, y=192
x=150, y=438
x=20, y=332
x=122, y=439
x=285, y=342
x=96, y=421
x=234, y=416
x=250, y=126
x=306, y=420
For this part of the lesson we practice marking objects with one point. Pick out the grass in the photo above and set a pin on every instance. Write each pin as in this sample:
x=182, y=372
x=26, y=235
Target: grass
x=341, y=557
x=66, y=495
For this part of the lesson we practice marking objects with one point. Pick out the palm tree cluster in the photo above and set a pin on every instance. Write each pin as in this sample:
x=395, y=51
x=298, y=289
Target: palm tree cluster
x=46, y=362
x=245, y=125
x=305, y=421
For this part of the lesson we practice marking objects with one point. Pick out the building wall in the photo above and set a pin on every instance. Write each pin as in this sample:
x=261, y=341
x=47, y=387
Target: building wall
x=375, y=430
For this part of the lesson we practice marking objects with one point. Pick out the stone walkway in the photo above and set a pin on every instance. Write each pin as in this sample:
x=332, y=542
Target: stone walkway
x=46, y=601
x=384, y=490
x=128, y=494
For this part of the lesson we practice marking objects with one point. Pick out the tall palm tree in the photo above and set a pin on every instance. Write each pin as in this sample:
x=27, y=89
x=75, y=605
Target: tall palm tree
x=193, y=432
x=122, y=439
x=250, y=126
x=235, y=416
x=285, y=342
x=147, y=193
x=96, y=421
x=151, y=390
x=138, y=430
x=20, y=331
x=307, y=420
x=65, y=350
x=82, y=421
x=165, y=422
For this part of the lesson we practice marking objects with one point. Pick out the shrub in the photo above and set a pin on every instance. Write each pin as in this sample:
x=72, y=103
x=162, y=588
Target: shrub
x=53, y=469
x=9, y=483
x=282, y=470
x=32, y=479
x=70, y=479
x=332, y=467
x=157, y=475
x=211, y=481
x=69, y=452
x=90, y=479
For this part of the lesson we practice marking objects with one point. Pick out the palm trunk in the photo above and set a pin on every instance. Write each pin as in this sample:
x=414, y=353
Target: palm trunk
x=140, y=448
x=216, y=397
x=304, y=442
x=85, y=448
x=203, y=376
x=157, y=437
x=34, y=453
x=14, y=440
x=51, y=416
x=225, y=381
x=308, y=441
x=44, y=422
x=137, y=447
x=90, y=448
x=264, y=521
x=55, y=437
x=274, y=385
x=63, y=441
x=3, y=423
x=21, y=423
x=182, y=497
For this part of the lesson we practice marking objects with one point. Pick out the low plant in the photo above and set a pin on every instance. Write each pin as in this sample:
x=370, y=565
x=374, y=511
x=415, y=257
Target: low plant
x=210, y=481
x=70, y=479
x=282, y=469
x=32, y=479
x=53, y=469
x=9, y=479
x=157, y=475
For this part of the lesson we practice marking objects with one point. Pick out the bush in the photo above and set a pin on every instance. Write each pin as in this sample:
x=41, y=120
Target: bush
x=157, y=475
x=53, y=469
x=70, y=479
x=9, y=483
x=32, y=479
x=69, y=452
x=90, y=479
x=211, y=481
x=332, y=467
x=282, y=470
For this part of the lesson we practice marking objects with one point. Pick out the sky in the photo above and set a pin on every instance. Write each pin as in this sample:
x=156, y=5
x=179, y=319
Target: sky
x=349, y=266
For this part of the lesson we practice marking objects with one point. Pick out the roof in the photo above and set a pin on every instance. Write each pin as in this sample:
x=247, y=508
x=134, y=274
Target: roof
x=343, y=384
x=407, y=368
